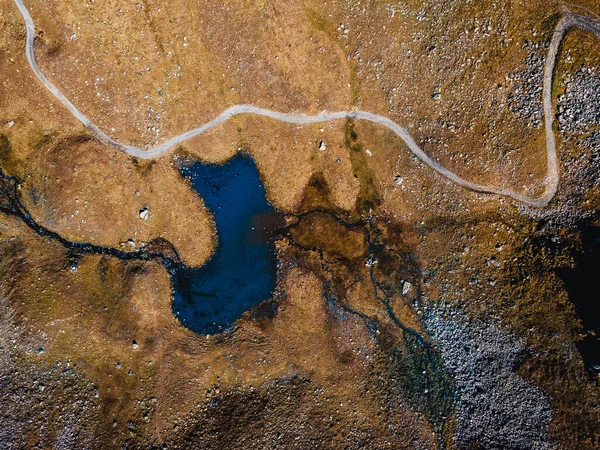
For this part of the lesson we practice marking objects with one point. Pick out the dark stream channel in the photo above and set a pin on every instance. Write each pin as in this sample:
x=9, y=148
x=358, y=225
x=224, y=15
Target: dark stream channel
x=241, y=274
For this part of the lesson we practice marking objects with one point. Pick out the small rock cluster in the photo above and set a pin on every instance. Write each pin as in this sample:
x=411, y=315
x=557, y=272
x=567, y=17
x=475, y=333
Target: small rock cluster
x=579, y=107
x=592, y=141
x=526, y=98
x=495, y=407
x=144, y=213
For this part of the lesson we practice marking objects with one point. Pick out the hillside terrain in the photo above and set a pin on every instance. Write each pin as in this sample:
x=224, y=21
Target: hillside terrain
x=408, y=311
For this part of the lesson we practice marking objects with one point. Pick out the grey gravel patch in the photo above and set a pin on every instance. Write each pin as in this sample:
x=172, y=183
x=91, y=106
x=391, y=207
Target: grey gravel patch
x=526, y=98
x=579, y=107
x=495, y=407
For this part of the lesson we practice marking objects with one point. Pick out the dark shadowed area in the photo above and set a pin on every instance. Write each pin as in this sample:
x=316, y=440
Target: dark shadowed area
x=583, y=285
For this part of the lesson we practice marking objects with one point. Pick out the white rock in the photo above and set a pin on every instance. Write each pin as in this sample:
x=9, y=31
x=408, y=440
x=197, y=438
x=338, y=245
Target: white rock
x=406, y=286
x=371, y=261
x=144, y=213
x=10, y=123
x=322, y=146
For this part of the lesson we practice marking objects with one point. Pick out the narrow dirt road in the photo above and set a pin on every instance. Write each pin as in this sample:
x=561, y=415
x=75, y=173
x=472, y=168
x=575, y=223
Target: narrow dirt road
x=551, y=178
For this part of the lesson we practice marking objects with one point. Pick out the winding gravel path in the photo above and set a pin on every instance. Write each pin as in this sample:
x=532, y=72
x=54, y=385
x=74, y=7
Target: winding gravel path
x=551, y=179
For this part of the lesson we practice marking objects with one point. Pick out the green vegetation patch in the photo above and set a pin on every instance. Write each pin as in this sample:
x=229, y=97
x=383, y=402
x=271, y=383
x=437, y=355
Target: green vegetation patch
x=8, y=162
x=369, y=198
x=416, y=368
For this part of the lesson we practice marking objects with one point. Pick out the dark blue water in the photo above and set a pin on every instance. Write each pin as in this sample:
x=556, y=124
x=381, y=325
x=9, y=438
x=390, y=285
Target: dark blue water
x=242, y=272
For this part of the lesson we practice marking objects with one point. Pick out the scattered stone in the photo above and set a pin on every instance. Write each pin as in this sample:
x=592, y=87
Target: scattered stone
x=322, y=146
x=579, y=107
x=10, y=123
x=526, y=98
x=371, y=261
x=406, y=287
x=36, y=396
x=144, y=213
x=368, y=152
x=134, y=344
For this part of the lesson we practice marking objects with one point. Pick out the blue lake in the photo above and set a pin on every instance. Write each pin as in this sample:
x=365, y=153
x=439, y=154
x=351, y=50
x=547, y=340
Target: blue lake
x=242, y=272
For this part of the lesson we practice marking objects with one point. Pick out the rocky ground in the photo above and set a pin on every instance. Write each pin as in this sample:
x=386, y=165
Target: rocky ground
x=483, y=359
x=578, y=110
x=53, y=406
x=524, y=101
